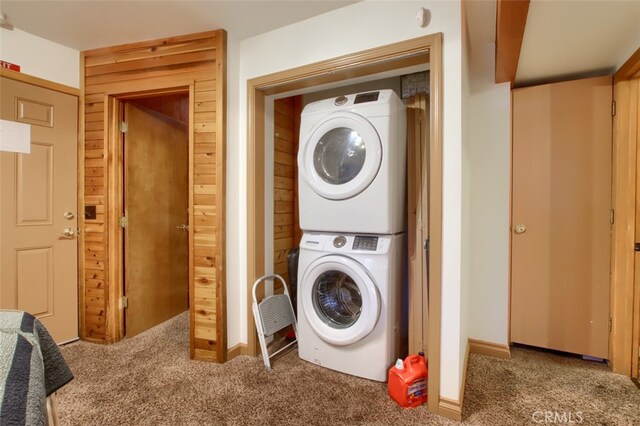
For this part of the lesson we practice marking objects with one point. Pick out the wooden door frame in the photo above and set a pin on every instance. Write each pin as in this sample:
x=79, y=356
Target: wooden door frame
x=114, y=104
x=625, y=290
x=197, y=60
x=426, y=49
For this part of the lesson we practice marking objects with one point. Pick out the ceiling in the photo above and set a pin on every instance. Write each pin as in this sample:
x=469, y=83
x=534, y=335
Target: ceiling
x=89, y=24
x=571, y=39
x=563, y=38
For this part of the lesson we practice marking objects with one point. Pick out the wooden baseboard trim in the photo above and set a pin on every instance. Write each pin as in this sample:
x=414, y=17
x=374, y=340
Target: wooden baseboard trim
x=94, y=340
x=237, y=350
x=450, y=409
x=464, y=375
x=489, y=348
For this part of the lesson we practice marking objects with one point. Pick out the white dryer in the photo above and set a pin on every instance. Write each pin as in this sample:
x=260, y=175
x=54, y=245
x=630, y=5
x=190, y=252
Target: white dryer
x=349, y=302
x=351, y=164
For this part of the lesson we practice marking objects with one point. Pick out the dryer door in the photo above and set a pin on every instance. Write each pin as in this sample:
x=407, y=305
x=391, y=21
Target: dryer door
x=341, y=157
x=339, y=299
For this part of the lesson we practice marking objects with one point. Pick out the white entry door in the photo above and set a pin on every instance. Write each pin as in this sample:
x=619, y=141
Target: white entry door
x=38, y=209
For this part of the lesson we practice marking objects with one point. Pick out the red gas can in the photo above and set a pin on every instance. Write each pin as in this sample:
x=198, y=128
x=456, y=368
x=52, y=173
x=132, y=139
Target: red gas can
x=408, y=381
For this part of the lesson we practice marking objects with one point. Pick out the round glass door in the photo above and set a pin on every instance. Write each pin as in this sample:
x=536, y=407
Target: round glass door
x=339, y=300
x=341, y=157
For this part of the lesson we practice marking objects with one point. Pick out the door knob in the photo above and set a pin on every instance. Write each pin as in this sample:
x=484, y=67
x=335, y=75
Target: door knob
x=183, y=227
x=68, y=232
x=520, y=229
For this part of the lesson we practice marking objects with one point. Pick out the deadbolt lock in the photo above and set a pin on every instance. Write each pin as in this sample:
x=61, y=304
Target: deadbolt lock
x=520, y=229
x=69, y=215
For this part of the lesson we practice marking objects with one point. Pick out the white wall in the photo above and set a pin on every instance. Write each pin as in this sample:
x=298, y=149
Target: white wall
x=486, y=195
x=40, y=57
x=467, y=136
x=357, y=27
x=236, y=179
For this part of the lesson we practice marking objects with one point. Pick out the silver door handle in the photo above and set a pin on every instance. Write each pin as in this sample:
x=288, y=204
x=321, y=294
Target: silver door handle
x=183, y=227
x=520, y=229
x=68, y=232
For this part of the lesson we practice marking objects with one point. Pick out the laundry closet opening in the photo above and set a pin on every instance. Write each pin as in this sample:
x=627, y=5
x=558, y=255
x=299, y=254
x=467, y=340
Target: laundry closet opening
x=339, y=299
x=391, y=60
x=155, y=190
x=282, y=173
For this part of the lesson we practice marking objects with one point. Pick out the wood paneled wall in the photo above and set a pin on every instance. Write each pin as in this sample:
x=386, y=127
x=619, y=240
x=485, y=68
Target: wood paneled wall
x=286, y=226
x=195, y=63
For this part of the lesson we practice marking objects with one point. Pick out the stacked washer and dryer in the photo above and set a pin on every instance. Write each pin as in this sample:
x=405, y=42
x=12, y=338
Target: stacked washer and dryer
x=351, y=165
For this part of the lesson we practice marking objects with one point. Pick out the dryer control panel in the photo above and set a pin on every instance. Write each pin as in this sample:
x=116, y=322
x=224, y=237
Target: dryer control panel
x=378, y=103
x=366, y=97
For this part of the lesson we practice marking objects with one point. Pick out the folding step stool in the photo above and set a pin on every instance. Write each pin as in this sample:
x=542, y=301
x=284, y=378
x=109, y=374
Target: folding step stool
x=272, y=314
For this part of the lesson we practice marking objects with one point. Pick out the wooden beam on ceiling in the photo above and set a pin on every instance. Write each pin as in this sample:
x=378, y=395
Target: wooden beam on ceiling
x=510, y=22
x=630, y=69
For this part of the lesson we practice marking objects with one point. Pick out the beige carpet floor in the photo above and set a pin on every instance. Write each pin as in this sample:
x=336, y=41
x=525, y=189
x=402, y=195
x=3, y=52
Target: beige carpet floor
x=149, y=380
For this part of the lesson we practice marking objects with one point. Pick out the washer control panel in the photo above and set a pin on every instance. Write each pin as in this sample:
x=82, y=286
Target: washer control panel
x=367, y=243
x=347, y=244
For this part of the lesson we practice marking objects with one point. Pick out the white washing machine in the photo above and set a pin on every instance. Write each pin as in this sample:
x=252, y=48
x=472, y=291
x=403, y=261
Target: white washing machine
x=351, y=164
x=349, y=302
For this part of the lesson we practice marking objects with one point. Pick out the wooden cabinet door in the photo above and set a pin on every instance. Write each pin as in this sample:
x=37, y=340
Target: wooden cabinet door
x=561, y=216
x=418, y=221
x=38, y=202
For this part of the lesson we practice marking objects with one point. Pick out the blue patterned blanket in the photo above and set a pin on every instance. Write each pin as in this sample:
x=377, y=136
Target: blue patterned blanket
x=31, y=368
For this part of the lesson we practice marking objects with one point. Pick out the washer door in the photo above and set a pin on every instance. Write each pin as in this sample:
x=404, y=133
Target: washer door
x=341, y=157
x=339, y=299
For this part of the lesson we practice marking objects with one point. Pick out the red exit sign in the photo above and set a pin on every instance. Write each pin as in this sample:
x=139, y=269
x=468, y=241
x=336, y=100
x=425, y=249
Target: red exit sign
x=9, y=66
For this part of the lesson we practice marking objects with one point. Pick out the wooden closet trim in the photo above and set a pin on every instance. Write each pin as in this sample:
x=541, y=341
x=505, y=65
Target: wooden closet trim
x=511, y=20
x=623, y=340
x=427, y=49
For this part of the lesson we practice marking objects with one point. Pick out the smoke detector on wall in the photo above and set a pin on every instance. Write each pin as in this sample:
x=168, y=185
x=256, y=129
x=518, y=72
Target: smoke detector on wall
x=423, y=17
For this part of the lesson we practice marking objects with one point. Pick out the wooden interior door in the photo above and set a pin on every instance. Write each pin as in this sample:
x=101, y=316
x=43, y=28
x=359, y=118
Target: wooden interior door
x=156, y=182
x=38, y=202
x=561, y=216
